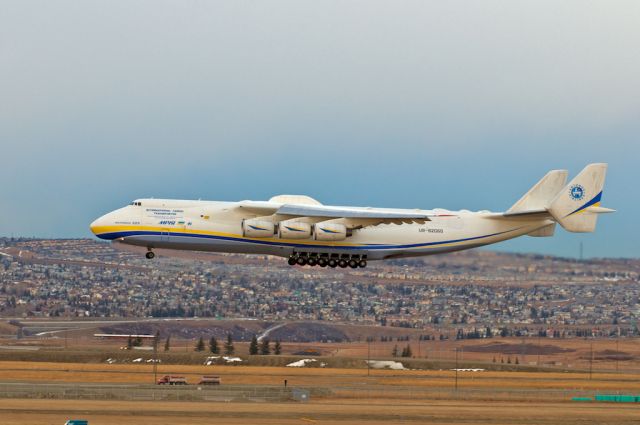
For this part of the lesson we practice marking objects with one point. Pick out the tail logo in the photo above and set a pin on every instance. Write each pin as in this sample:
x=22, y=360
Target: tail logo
x=576, y=192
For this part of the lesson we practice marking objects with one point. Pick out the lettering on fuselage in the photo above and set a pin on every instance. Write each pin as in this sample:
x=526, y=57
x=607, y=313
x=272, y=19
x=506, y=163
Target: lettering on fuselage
x=426, y=230
x=163, y=212
x=168, y=222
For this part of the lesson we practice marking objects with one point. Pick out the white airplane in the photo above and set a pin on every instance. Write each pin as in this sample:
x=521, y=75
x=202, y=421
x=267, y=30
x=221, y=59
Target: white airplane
x=309, y=233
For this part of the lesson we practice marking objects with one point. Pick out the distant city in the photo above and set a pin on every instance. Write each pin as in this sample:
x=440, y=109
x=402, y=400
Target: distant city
x=470, y=294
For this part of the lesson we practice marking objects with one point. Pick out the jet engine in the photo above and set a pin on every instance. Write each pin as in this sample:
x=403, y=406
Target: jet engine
x=330, y=232
x=257, y=228
x=294, y=230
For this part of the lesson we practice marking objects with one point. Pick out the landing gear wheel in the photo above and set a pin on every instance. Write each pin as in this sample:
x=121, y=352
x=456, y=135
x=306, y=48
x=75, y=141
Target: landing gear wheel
x=292, y=260
x=301, y=261
x=312, y=262
x=362, y=263
x=322, y=262
x=150, y=255
x=342, y=263
x=353, y=264
x=333, y=263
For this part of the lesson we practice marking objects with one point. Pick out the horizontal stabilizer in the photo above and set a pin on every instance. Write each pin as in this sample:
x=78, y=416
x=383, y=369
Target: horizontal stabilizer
x=528, y=213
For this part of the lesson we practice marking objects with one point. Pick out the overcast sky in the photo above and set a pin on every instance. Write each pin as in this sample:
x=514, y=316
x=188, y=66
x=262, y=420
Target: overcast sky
x=416, y=104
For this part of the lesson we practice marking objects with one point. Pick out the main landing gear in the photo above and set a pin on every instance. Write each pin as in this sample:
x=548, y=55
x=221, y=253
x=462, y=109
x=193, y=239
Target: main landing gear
x=324, y=260
x=150, y=254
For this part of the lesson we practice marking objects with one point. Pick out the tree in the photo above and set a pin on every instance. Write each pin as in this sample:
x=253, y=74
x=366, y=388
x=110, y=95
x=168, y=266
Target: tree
x=394, y=352
x=277, y=349
x=167, y=344
x=253, y=347
x=200, y=344
x=406, y=352
x=229, y=349
x=213, y=345
x=265, y=348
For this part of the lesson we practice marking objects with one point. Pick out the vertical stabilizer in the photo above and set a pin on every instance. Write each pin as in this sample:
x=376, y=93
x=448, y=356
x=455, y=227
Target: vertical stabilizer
x=576, y=206
x=539, y=197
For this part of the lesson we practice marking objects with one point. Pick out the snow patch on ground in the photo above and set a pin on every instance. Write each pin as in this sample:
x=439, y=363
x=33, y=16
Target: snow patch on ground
x=386, y=364
x=301, y=363
x=468, y=370
x=231, y=359
x=211, y=360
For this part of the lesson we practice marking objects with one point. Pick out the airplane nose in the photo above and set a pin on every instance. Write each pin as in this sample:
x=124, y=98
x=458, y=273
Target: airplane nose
x=94, y=226
x=97, y=227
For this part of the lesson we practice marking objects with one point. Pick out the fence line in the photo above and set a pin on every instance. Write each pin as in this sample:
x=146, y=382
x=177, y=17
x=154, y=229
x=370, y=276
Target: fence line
x=265, y=393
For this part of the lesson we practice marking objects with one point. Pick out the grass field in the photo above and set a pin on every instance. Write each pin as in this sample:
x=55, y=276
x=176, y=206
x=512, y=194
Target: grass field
x=318, y=377
x=48, y=412
x=344, y=392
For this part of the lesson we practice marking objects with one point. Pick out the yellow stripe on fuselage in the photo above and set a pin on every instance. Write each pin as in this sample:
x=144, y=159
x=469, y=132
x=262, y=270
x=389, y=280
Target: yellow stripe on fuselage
x=123, y=228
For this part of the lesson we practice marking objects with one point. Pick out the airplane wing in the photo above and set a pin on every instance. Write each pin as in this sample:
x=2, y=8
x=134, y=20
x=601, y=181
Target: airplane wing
x=352, y=217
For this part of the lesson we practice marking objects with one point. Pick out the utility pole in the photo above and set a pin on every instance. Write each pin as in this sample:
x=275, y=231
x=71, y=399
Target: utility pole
x=581, y=251
x=456, y=369
x=539, y=350
x=155, y=357
x=591, y=363
x=617, y=351
x=369, y=356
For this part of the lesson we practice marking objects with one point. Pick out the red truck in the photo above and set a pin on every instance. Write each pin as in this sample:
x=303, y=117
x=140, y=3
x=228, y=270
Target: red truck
x=172, y=380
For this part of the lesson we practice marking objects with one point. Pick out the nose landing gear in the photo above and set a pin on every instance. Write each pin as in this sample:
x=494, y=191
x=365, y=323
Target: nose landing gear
x=150, y=254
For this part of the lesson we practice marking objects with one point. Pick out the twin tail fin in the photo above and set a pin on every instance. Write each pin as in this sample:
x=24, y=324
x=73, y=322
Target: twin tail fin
x=574, y=206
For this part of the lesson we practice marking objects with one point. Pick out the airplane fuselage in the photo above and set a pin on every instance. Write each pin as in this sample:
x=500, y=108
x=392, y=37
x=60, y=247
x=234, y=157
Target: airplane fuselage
x=218, y=227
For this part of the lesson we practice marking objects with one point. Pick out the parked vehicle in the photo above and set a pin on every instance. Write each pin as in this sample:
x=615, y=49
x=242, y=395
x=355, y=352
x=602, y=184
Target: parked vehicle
x=210, y=380
x=172, y=380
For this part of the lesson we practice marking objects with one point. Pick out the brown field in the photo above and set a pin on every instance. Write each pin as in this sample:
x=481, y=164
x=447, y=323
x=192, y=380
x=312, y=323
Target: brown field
x=537, y=391
x=621, y=355
x=319, y=377
x=451, y=412
x=410, y=396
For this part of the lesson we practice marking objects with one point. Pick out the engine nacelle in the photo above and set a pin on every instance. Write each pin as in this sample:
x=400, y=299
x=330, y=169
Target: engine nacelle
x=330, y=232
x=257, y=229
x=294, y=230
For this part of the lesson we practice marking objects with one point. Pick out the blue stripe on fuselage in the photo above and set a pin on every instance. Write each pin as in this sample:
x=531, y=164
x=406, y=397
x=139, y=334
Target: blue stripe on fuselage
x=116, y=235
